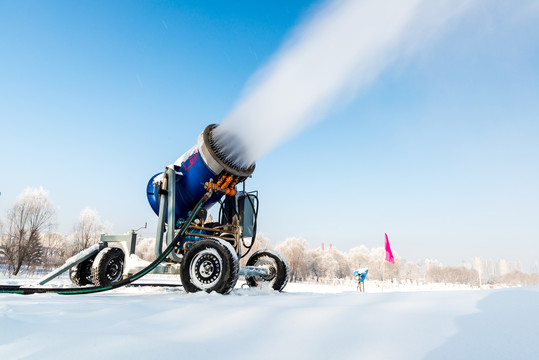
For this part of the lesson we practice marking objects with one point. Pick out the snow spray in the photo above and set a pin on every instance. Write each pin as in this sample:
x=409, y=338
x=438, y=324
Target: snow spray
x=200, y=164
x=340, y=48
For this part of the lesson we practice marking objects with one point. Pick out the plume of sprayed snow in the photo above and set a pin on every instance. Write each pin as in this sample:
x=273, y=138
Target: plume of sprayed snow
x=339, y=49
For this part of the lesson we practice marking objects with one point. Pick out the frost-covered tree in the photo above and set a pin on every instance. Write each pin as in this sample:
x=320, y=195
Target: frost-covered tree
x=2, y=256
x=145, y=248
x=379, y=268
x=54, y=249
x=358, y=257
x=342, y=265
x=31, y=215
x=328, y=265
x=313, y=265
x=86, y=231
x=452, y=275
x=411, y=272
x=294, y=251
x=392, y=271
x=518, y=278
x=376, y=263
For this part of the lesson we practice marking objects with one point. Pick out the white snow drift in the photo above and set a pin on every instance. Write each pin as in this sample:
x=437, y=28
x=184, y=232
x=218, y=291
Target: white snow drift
x=301, y=323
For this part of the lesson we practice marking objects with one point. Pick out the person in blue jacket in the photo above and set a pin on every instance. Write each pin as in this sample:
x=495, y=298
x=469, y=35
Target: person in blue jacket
x=360, y=276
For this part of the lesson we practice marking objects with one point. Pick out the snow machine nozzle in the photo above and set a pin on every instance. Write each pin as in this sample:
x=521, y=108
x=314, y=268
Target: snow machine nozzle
x=205, y=166
x=219, y=158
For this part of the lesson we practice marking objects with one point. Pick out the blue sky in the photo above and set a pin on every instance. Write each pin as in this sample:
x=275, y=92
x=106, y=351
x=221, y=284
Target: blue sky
x=440, y=151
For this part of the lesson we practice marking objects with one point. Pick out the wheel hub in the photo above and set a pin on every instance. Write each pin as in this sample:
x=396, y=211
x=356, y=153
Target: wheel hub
x=114, y=269
x=205, y=269
x=270, y=265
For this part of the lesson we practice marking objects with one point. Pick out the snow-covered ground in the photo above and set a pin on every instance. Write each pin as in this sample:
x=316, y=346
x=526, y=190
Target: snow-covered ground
x=304, y=322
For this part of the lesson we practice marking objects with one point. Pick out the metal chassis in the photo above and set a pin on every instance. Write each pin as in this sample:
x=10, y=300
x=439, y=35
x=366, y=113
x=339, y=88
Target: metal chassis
x=167, y=200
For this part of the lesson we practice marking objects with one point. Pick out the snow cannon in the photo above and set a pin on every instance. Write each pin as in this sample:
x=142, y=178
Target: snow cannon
x=205, y=162
x=208, y=251
x=204, y=253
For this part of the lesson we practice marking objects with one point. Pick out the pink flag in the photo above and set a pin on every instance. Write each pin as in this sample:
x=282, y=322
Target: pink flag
x=389, y=254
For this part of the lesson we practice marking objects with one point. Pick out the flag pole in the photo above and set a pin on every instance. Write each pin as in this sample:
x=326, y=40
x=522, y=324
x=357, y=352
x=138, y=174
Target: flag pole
x=383, y=269
x=383, y=272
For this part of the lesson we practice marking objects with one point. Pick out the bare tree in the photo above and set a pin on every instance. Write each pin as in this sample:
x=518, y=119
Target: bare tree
x=86, y=231
x=31, y=215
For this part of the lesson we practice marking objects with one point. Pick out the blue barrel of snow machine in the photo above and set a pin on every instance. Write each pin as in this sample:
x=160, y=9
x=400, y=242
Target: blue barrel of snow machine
x=200, y=164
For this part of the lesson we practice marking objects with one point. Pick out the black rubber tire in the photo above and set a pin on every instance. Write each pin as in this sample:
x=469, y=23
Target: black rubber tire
x=210, y=265
x=108, y=266
x=277, y=265
x=81, y=274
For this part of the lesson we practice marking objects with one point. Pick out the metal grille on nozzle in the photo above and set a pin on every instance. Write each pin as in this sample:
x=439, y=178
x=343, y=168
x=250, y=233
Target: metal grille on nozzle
x=227, y=150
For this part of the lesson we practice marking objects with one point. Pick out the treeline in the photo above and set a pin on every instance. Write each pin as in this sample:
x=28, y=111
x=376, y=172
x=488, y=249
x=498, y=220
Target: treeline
x=28, y=243
x=26, y=238
x=316, y=264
